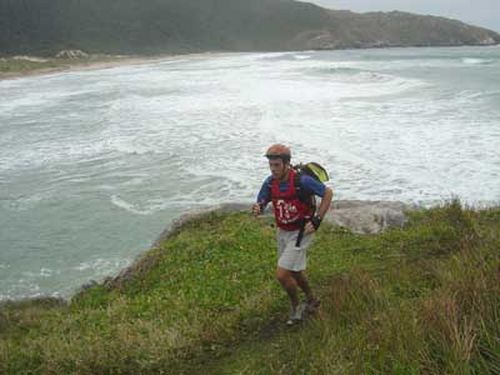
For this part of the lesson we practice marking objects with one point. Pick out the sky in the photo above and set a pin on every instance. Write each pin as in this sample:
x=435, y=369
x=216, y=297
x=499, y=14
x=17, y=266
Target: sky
x=485, y=13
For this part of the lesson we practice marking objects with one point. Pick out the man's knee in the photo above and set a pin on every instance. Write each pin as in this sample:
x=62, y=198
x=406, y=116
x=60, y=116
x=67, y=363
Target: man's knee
x=298, y=275
x=283, y=275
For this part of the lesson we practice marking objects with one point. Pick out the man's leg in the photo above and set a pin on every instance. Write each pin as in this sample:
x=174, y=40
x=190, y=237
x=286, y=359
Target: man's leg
x=301, y=280
x=289, y=284
x=312, y=302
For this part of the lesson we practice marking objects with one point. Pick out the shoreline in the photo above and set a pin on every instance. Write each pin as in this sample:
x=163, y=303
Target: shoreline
x=79, y=65
x=95, y=63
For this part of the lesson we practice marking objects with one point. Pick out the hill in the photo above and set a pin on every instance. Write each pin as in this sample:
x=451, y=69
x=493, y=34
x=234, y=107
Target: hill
x=420, y=299
x=44, y=27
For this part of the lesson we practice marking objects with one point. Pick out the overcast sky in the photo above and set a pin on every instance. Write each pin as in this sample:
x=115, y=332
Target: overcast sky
x=485, y=13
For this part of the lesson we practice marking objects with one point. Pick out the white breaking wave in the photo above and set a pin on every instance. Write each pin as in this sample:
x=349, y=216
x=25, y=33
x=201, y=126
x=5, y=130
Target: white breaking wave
x=118, y=202
x=103, y=266
x=476, y=61
x=302, y=57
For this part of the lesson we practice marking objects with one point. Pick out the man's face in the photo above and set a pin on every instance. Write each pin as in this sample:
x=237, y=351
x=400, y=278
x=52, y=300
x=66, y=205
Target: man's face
x=278, y=168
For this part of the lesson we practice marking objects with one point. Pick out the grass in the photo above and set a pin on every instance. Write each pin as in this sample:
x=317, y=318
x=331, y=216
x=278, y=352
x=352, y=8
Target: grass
x=10, y=66
x=420, y=300
x=13, y=67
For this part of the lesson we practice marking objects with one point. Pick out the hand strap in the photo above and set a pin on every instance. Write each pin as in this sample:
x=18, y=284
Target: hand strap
x=316, y=221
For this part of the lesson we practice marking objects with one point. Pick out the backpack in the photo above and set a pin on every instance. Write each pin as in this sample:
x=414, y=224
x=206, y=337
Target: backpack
x=314, y=170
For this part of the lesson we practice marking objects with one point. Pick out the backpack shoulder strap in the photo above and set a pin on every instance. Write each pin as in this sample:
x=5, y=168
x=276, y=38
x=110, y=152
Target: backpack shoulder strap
x=302, y=194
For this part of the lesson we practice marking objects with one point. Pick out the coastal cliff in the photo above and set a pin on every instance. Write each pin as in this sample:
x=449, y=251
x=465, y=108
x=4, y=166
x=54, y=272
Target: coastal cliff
x=204, y=300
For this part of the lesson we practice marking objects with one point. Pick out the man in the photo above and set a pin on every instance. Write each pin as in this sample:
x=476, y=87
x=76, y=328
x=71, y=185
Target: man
x=296, y=219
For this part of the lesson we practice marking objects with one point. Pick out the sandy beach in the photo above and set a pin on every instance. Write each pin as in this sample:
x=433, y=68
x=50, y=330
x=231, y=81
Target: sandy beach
x=94, y=63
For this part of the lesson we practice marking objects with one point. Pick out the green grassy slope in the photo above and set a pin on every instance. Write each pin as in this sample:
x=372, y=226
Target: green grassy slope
x=424, y=299
x=17, y=67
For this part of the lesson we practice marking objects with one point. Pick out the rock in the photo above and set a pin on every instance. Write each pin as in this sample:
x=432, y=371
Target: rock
x=89, y=284
x=489, y=41
x=367, y=217
x=72, y=54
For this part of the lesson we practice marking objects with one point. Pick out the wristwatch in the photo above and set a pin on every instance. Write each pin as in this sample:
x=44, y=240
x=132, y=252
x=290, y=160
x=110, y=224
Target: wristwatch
x=316, y=221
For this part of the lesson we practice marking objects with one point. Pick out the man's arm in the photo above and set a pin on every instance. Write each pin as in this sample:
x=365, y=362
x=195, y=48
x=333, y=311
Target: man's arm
x=326, y=201
x=263, y=198
x=318, y=188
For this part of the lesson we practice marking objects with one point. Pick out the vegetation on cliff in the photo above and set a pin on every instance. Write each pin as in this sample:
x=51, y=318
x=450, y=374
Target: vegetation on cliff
x=44, y=27
x=22, y=65
x=422, y=299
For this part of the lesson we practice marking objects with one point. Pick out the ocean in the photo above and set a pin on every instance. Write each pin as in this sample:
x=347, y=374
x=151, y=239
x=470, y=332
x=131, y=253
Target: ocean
x=95, y=164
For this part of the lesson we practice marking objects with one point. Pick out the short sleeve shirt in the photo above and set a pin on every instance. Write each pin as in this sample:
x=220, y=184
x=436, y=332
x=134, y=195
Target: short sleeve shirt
x=309, y=184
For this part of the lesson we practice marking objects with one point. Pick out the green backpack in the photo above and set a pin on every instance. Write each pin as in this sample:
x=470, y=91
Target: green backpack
x=314, y=170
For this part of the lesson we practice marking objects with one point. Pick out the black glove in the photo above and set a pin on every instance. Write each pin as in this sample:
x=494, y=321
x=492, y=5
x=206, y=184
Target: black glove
x=316, y=222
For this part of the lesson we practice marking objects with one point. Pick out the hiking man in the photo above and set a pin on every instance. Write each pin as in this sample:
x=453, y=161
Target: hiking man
x=297, y=220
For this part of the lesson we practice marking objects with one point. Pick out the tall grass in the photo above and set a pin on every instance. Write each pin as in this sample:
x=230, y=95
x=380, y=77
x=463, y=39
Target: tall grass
x=422, y=300
x=430, y=305
x=11, y=66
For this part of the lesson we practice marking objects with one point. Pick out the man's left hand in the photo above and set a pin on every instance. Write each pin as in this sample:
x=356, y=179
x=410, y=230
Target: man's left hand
x=309, y=228
x=312, y=225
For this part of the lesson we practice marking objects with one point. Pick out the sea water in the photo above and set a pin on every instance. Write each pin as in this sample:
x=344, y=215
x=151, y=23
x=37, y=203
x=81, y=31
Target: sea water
x=95, y=164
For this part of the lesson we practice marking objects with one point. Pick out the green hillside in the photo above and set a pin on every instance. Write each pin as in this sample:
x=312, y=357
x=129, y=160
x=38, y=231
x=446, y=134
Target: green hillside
x=420, y=300
x=44, y=27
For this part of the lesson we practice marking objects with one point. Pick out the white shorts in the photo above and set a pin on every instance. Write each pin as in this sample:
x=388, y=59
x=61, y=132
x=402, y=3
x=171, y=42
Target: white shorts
x=291, y=257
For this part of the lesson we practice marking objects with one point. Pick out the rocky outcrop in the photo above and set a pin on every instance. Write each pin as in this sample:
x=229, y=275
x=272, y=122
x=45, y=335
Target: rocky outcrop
x=72, y=54
x=395, y=29
x=368, y=217
x=487, y=41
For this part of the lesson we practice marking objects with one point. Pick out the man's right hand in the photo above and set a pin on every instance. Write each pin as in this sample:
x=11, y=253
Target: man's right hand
x=256, y=210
